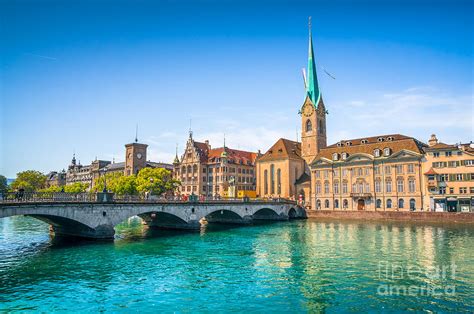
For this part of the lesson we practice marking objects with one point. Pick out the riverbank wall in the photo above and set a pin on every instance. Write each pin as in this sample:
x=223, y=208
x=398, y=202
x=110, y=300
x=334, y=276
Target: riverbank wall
x=447, y=217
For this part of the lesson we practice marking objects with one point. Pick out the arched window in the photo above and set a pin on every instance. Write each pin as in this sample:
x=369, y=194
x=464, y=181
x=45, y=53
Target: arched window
x=272, y=179
x=345, y=203
x=318, y=204
x=195, y=168
x=412, y=204
x=278, y=181
x=265, y=181
x=309, y=125
x=378, y=203
x=183, y=169
x=336, y=203
x=389, y=203
x=401, y=203
x=326, y=203
x=189, y=169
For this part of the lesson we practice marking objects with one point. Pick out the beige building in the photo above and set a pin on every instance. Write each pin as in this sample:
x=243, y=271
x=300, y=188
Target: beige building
x=449, y=176
x=373, y=173
x=279, y=169
x=215, y=172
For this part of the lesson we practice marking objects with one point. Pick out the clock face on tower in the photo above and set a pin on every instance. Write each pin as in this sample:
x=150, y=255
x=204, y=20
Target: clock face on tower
x=139, y=156
x=308, y=110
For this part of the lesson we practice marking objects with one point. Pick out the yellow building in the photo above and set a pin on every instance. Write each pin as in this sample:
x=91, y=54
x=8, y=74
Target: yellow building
x=373, y=173
x=449, y=176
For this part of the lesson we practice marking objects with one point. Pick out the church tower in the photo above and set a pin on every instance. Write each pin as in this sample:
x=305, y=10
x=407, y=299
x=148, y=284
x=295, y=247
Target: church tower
x=313, y=112
x=135, y=157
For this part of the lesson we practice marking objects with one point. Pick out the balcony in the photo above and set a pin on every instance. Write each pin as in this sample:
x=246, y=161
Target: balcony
x=361, y=195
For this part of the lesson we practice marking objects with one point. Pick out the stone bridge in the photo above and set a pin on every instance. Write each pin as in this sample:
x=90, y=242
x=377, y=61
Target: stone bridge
x=97, y=220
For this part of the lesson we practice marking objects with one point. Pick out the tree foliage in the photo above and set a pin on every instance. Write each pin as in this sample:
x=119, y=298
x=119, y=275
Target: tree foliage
x=30, y=181
x=3, y=184
x=156, y=180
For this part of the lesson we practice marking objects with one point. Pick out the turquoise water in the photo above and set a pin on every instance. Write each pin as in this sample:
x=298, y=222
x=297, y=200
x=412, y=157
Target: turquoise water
x=300, y=266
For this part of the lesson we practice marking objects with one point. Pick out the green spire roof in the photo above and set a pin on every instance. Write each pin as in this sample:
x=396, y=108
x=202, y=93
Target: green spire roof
x=312, y=88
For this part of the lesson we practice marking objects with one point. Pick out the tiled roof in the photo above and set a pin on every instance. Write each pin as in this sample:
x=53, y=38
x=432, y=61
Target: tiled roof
x=153, y=164
x=396, y=142
x=282, y=149
x=203, y=150
x=116, y=166
x=430, y=172
x=233, y=155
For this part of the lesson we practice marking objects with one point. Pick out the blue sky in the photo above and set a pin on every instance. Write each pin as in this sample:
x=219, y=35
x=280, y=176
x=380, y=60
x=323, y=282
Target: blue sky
x=79, y=75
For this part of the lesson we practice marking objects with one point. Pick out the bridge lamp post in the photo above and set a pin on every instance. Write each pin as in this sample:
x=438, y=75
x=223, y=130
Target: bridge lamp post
x=151, y=186
x=105, y=180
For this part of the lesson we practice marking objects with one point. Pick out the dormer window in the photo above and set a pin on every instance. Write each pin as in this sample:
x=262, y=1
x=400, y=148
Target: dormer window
x=380, y=139
x=335, y=156
x=280, y=150
x=387, y=151
x=377, y=153
x=339, y=144
x=364, y=141
x=344, y=156
x=348, y=143
x=390, y=138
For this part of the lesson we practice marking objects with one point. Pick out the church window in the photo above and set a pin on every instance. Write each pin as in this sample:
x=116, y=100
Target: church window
x=279, y=181
x=265, y=182
x=272, y=179
x=309, y=125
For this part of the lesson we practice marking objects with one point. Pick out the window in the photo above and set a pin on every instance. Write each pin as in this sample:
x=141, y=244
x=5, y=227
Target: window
x=469, y=162
x=326, y=187
x=459, y=177
x=272, y=179
x=364, y=141
x=442, y=190
x=336, y=187
x=411, y=168
x=380, y=139
x=399, y=169
x=278, y=181
x=360, y=187
x=335, y=156
x=400, y=185
x=320, y=127
x=389, y=203
x=265, y=181
x=388, y=186
x=412, y=204
x=448, y=154
x=411, y=185
x=318, y=174
x=378, y=186
x=360, y=171
x=344, y=156
x=344, y=172
x=345, y=204
x=451, y=190
x=386, y=151
x=463, y=190
x=401, y=203
x=471, y=190
x=326, y=174
x=336, y=203
x=326, y=203
x=344, y=187
x=309, y=125
x=377, y=170
x=348, y=143
x=388, y=169
x=318, y=204
x=377, y=153
x=378, y=203
x=367, y=171
x=436, y=154
x=367, y=188
x=318, y=188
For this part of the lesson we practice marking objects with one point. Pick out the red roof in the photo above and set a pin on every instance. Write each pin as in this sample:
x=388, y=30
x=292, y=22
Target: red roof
x=431, y=172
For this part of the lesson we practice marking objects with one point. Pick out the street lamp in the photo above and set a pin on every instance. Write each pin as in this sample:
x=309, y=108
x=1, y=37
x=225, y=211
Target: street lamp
x=151, y=186
x=105, y=180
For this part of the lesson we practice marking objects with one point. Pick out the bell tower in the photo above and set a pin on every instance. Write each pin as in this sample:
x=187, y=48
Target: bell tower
x=313, y=112
x=135, y=157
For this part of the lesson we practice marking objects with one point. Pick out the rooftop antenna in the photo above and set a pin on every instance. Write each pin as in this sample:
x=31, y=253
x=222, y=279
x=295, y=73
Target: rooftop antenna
x=136, y=134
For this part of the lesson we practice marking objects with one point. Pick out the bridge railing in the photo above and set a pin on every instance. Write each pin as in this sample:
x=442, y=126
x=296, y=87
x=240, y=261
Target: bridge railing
x=63, y=197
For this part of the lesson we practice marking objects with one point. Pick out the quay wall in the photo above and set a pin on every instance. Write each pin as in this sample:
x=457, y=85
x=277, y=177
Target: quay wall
x=441, y=217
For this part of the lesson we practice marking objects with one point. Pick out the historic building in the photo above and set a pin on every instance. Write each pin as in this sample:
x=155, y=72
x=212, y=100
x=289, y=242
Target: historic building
x=372, y=173
x=449, y=176
x=135, y=160
x=55, y=178
x=279, y=169
x=215, y=172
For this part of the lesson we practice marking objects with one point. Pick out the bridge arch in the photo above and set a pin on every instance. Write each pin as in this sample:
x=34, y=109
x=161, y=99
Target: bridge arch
x=224, y=216
x=292, y=213
x=65, y=226
x=267, y=214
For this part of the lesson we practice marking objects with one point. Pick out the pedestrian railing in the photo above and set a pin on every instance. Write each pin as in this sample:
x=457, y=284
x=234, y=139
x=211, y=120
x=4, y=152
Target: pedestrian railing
x=63, y=197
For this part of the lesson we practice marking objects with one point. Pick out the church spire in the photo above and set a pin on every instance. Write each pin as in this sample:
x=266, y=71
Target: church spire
x=312, y=88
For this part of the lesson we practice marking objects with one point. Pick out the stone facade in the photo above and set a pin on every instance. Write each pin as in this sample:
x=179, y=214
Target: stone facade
x=374, y=174
x=218, y=172
x=449, y=176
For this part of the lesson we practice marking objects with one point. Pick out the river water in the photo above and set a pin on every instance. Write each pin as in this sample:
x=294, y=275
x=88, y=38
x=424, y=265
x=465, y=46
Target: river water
x=299, y=266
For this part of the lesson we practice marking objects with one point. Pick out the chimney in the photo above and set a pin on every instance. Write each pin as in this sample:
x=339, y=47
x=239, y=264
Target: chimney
x=433, y=140
x=207, y=144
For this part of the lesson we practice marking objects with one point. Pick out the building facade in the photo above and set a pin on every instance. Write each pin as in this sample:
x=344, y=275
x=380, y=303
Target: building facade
x=449, y=176
x=374, y=173
x=215, y=172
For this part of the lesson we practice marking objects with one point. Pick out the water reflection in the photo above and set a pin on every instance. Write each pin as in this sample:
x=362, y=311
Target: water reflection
x=302, y=266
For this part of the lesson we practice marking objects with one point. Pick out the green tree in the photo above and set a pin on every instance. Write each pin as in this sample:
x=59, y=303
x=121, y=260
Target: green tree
x=117, y=183
x=3, y=184
x=77, y=187
x=156, y=180
x=51, y=189
x=30, y=181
